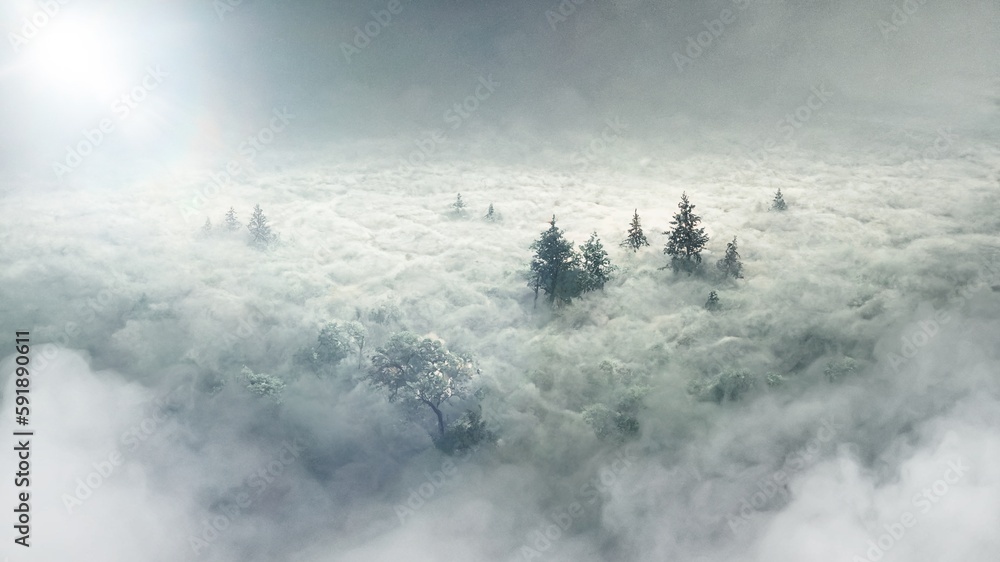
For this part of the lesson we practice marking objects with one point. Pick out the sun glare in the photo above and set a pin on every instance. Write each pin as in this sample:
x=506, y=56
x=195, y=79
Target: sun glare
x=77, y=57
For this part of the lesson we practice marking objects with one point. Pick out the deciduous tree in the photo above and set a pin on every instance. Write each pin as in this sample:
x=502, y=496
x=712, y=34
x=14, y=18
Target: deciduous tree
x=420, y=371
x=333, y=345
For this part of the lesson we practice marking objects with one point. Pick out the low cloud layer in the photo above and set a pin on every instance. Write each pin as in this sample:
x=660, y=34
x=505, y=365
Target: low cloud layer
x=151, y=344
x=871, y=304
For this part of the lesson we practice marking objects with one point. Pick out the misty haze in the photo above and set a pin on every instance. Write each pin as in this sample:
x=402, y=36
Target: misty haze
x=500, y=280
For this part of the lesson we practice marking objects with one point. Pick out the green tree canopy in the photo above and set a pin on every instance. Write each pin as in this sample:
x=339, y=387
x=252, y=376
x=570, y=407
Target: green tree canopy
x=730, y=265
x=555, y=266
x=596, y=264
x=420, y=371
x=635, y=238
x=686, y=239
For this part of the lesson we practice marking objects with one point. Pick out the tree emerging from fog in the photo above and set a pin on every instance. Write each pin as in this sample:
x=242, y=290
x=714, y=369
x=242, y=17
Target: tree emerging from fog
x=467, y=433
x=458, y=207
x=555, y=267
x=263, y=385
x=618, y=394
x=358, y=335
x=491, y=214
x=635, y=238
x=779, y=202
x=730, y=265
x=597, y=266
x=713, y=301
x=231, y=223
x=261, y=236
x=686, y=239
x=421, y=372
x=333, y=345
x=728, y=385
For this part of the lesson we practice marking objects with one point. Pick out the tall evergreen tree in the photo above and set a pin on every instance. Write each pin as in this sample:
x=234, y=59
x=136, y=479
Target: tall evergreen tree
x=491, y=214
x=596, y=265
x=731, y=265
x=459, y=206
x=686, y=240
x=713, y=301
x=779, y=202
x=555, y=266
x=207, y=227
x=231, y=222
x=635, y=239
x=261, y=234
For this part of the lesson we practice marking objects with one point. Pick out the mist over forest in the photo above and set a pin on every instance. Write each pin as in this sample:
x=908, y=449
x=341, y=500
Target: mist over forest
x=582, y=280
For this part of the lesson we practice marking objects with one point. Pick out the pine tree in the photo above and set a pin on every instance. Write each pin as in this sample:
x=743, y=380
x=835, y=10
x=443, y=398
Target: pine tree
x=731, y=265
x=596, y=265
x=779, y=202
x=713, y=301
x=635, y=239
x=554, y=269
x=262, y=237
x=231, y=223
x=459, y=206
x=686, y=239
x=491, y=215
x=207, y=227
